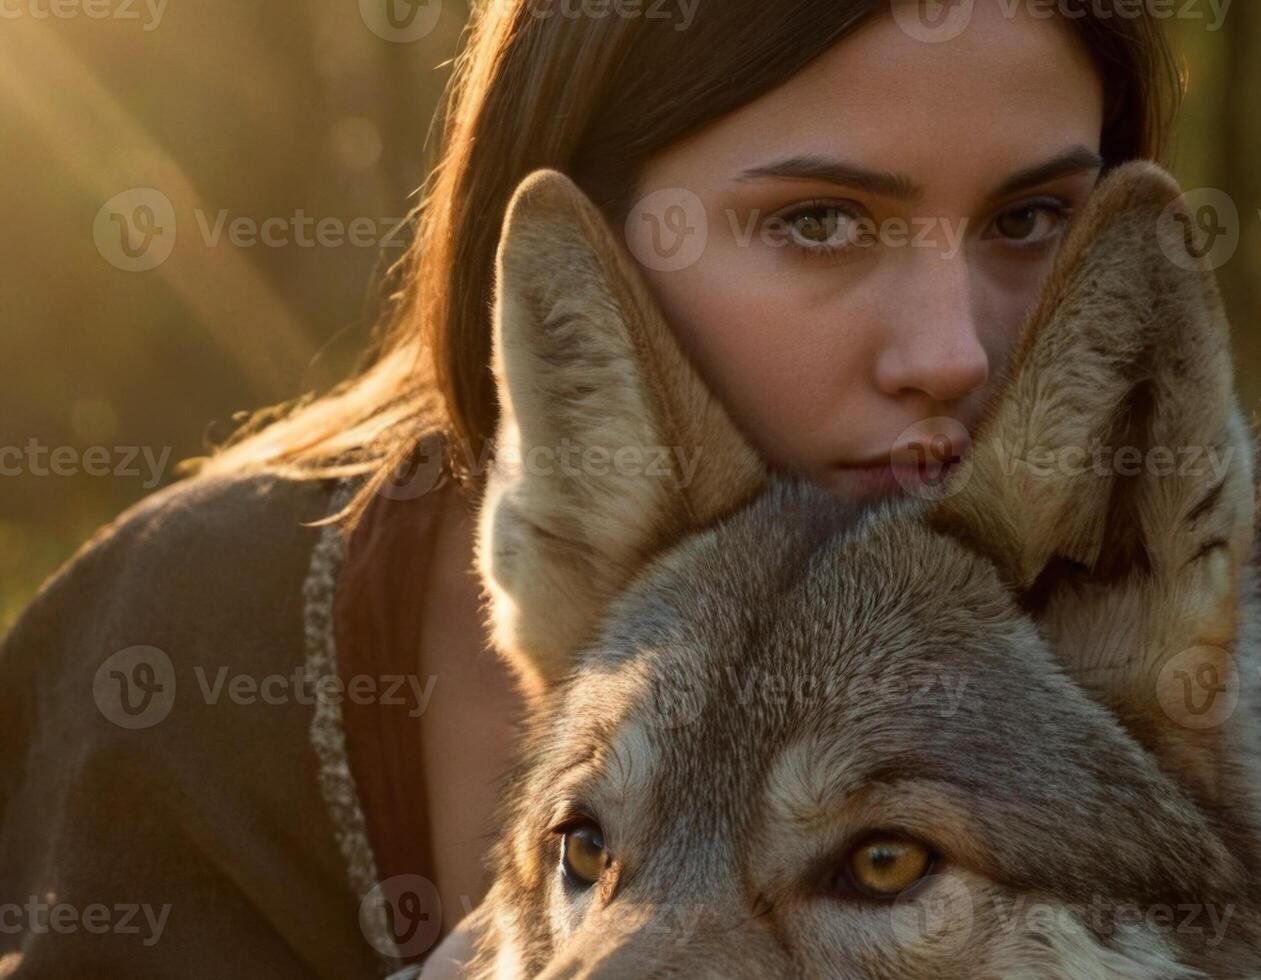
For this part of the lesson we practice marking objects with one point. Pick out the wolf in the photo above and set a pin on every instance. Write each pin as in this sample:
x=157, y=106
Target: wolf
x=1002, y=728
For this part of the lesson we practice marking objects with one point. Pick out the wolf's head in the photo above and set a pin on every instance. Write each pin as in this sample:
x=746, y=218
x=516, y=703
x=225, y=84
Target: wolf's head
x=1007, y=732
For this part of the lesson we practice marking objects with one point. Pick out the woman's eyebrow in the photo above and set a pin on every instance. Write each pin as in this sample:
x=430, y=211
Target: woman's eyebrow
x=832, y=171
x=1075, y=160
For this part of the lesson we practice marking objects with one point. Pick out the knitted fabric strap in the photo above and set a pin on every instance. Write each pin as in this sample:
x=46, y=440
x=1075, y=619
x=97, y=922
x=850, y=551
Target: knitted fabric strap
x=328, y=735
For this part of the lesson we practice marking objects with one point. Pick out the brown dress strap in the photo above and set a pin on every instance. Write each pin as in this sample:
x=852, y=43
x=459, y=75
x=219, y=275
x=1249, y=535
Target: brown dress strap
x=377, y=622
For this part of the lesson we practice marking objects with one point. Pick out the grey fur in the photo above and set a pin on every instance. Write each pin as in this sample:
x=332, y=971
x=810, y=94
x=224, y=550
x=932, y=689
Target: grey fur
x=754, y=684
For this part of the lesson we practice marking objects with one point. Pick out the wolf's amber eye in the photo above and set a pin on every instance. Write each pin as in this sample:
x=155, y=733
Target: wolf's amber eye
x=885, y=865
x=583, y=854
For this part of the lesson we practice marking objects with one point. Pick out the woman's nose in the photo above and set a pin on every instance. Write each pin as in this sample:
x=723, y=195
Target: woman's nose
x=931, y=343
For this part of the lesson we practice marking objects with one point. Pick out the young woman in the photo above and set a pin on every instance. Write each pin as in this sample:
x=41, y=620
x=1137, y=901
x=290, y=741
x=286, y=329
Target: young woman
x=280, y=743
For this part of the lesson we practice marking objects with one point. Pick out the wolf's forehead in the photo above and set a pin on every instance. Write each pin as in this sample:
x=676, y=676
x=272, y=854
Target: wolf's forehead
x=796, y=618
x=797, y=594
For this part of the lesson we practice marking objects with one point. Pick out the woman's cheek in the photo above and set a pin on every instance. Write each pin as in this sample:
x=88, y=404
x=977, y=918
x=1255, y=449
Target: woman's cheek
x=768, y=345
x=1007, y=292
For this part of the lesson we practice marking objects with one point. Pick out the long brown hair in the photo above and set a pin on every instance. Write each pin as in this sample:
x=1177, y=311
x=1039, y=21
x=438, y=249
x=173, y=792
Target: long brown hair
x=539, y=85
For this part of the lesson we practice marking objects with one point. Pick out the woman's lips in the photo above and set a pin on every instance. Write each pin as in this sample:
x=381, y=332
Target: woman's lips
x=892, y=478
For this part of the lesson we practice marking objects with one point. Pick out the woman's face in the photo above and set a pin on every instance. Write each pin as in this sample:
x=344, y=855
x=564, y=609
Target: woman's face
x=875, y=232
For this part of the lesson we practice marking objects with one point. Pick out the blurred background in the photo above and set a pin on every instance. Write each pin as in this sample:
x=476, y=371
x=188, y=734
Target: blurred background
x=268, y=150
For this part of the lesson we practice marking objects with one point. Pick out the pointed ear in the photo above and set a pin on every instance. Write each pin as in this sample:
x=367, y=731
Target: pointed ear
x=609, y=447
x=1111, y=479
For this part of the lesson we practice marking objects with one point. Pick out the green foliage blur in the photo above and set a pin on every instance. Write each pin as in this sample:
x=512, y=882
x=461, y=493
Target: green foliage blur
x=291, y=110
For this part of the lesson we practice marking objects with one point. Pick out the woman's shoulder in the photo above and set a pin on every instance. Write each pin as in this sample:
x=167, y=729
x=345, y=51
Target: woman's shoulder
x=171, y=671
x=254, y=510
x=190, y=545
x=216, y=563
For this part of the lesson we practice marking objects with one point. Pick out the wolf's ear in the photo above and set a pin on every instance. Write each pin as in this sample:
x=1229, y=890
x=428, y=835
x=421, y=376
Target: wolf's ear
x=609, y=445
x=1111, y=479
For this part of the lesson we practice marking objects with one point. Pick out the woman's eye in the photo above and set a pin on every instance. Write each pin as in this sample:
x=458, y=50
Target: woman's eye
x=820, y=227
x=1031, y=224
x=583, y=854
x=886, y=865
